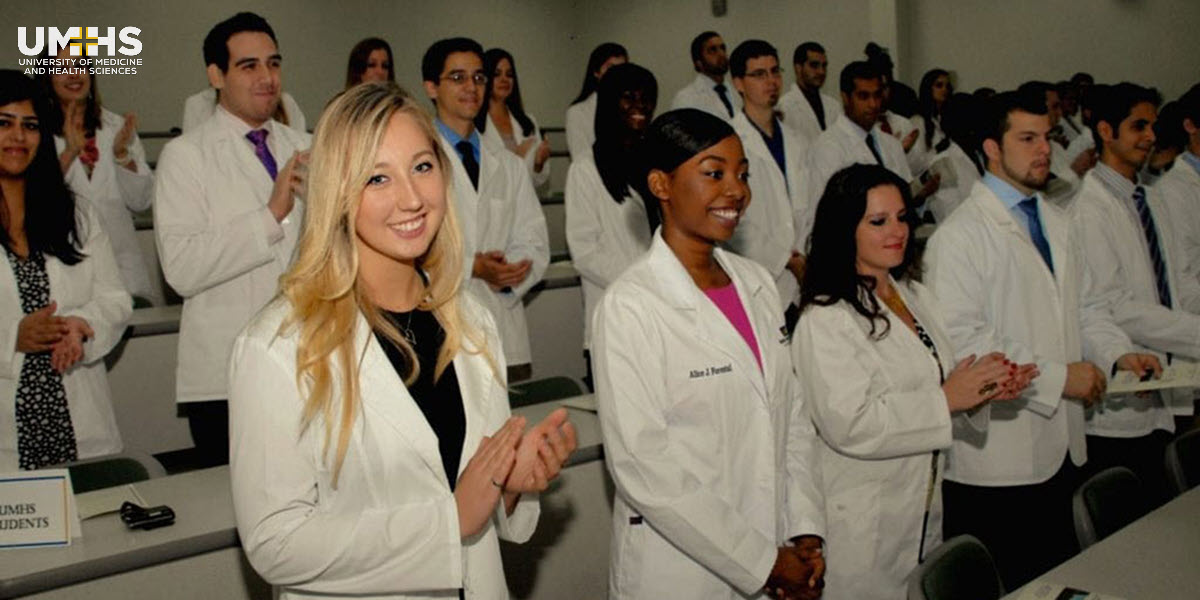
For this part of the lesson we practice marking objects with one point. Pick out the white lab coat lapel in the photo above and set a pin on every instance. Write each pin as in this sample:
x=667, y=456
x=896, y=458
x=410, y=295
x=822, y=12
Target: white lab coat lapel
x=711, y=325
x=755, y=145
x=385, y=397
x=1054, y=229
x=465, y=203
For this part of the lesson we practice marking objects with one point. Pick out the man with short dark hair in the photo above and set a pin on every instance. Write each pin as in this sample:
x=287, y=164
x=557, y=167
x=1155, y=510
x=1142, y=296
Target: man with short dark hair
x=505, y=243
x=1010, y=278
x=768, y=231
x=805, y=108
x=709, y=91
x=1065, y=173
x=1138, y=267
x=854, y=138
x=226, y=218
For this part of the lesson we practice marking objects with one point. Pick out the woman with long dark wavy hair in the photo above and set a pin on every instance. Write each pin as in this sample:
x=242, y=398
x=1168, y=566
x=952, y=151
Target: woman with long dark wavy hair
x=881, y=384
x=62, y=305
x=504, y=118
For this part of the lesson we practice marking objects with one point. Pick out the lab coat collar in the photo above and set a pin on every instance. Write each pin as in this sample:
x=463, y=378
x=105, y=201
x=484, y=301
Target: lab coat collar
x=677, y=288
x=1054, y=226
x=386, y=397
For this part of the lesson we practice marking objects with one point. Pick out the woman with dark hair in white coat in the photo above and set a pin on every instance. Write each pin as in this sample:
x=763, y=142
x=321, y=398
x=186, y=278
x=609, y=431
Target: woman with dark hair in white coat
x=505, y=121
x=104, y=163
x=606, y=223
x=881, y=385
x=704, y=431
x=62, y=306
x=372, y=451
x=581, y=115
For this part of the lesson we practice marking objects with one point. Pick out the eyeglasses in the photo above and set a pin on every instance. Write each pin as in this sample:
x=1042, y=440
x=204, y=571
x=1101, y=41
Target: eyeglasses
x=461, y=78
x=764, y=73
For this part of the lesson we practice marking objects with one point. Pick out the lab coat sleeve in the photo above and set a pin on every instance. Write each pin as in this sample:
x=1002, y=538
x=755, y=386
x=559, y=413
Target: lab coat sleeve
x=806, y=502
x=540, y=178
x=584, y=229
x=199, y=250
x=11, y=359
x=529, y=238
x=851, y=411
x=651, y=473
x=137, y=189
x=958, y=278
x=1149, y=324
x=578, y=126
x=752, y=237
x=110, y=306
x=289, y=538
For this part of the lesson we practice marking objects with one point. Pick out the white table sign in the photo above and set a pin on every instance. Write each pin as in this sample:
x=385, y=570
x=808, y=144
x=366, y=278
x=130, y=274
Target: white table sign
x=37, y=509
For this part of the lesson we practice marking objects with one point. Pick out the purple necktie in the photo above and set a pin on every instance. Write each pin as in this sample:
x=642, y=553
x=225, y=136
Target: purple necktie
x=258, y=137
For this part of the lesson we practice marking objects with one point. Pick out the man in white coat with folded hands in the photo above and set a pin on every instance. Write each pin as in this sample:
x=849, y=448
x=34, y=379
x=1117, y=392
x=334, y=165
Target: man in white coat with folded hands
x=1138, y=265
x=1008, y=271
x=226, y=218
x=769, y=231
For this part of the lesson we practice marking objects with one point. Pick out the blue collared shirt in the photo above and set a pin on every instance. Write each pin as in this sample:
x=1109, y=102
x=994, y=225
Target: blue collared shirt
x=1193, y=160
x=1010, y=197
x=453, y=137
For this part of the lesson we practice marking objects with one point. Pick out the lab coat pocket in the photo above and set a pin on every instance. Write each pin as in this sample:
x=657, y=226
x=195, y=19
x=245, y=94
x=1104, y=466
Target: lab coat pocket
x=853, y=524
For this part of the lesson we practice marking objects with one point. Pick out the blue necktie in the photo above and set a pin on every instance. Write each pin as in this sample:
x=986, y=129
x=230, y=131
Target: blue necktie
x=1156, y=256
x=1036, y=235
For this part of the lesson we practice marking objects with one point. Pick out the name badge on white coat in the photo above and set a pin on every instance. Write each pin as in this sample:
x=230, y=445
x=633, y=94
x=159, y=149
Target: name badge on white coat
x=710, y=371
x=37, y=509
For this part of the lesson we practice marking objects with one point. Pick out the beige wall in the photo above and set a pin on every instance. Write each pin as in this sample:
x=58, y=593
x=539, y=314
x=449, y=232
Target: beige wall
x=1151, y=42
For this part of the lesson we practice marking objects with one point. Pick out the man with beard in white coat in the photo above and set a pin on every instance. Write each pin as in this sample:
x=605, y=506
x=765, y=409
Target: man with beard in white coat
x=1138, y=268
x=768, y=232
x=805, y=108
x=1011, y=278
x=505, y=243
x=709, y=91
x=226, y=218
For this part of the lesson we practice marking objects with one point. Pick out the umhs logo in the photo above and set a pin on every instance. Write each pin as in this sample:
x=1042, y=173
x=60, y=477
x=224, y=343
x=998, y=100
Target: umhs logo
x=82, y=40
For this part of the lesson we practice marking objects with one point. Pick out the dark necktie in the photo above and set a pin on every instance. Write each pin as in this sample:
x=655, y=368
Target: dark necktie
x=1036, y=235
x=258, y=137
x=874, y=149
x=720, y=88
x=467, y=152
x=1156, y=256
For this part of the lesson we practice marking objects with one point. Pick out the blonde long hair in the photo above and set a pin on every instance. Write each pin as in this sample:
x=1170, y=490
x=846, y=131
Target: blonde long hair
x=322, y=285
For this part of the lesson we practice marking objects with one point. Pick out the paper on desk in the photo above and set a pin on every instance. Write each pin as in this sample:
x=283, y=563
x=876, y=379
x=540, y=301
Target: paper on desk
x=1178, y=375
x=108, y=500
x=586, y=402
x=1042, y=590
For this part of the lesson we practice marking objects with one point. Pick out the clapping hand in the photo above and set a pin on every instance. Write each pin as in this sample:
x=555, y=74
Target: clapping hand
x=481, y=481
x=69, y=349
x=799, y=571
x=541, y=454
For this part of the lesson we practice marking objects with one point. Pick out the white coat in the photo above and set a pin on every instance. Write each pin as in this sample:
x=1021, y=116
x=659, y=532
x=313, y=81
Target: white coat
x=389, y=529
x=921, y=156
x=1080, y=144
x=1068, y=184
x=842, y=145
x=715, y=455
x=200, y=106
x=770, y=228
x=879, y=408
x=997, y=294
x=799, y=116
x=504, y=214
x=90, y=289
x=115, y=192
x=955, y=188
x=604, y=237
x=581, y=127
x=701, y=95
x=220, y=247
x=540, y=178
x=1073, y=127
x=1179, y=190
x=1118, y=257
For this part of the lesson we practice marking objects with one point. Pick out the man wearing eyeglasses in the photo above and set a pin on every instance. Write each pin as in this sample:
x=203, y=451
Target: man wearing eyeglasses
x=708, y=91
x=768, y=230
x=505, y=243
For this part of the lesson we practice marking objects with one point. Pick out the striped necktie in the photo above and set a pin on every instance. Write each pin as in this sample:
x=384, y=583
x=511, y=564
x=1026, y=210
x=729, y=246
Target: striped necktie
x=1156, y=254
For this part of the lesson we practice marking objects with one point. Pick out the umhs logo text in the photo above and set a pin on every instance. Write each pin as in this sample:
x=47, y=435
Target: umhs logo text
x=81, y=40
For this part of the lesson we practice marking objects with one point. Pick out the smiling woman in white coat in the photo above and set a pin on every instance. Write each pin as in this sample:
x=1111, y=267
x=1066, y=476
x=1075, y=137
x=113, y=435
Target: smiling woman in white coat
x=704, y=431
x=504, y=120
x=881, y=384
x=62, y=306
x=104, y=162
x=372, y=451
